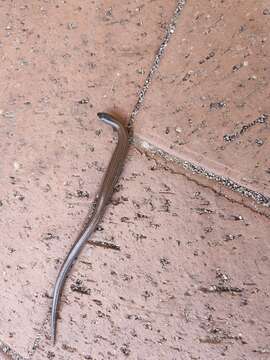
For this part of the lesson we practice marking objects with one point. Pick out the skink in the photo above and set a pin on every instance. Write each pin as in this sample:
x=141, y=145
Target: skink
x=102, y=198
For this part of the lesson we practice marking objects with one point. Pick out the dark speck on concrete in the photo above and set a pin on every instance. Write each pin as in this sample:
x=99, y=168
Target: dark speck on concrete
x=217, y=105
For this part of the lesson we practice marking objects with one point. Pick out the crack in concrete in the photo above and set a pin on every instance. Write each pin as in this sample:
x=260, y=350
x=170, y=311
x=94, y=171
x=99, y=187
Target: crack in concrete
x=7, y=350
x=196, y=181
x=262, y=119
x=259, y=198
x=169, y=32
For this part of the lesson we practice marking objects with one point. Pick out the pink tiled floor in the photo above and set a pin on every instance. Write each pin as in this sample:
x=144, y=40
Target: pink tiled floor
x=191, y=278
x=214, y=82
x=154, y=297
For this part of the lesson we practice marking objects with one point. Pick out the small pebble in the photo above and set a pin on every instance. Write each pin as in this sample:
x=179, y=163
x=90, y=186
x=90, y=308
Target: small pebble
x=72, y=26
x=259, y=142
x=16, y=165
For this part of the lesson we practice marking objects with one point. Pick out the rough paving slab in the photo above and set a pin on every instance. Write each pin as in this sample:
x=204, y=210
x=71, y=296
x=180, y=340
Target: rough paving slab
x=190, y=279
x=55, y=53
x=187, y=277
x=212, y=86
x=61, y=62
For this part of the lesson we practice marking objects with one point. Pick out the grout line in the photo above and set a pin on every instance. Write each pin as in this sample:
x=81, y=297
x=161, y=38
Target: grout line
x=169, y=32
x=196, y=169
x=258, y=197
x=9, y=352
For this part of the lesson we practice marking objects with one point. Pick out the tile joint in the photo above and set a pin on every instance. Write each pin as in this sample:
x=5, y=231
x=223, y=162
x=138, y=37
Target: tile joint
x=155, y=65
x=256, y=196
x=143, y=145
x=7, y=350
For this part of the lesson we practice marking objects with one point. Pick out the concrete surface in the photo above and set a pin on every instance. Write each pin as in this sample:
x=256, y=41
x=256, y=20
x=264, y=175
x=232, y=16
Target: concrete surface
x=188, y=277
x=206, y=102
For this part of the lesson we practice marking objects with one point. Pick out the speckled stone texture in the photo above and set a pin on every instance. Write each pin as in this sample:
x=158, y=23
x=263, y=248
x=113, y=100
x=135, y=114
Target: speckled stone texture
x=186, y=272
x=211, y=87
x=190, y=279
x=62, y=62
